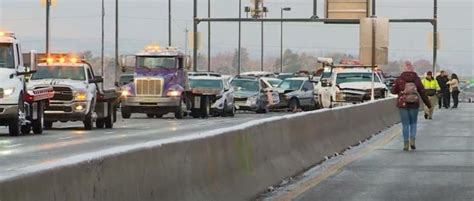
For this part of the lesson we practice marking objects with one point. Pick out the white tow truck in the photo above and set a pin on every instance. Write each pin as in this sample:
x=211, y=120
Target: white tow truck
x=20, y=109
x=78, y=93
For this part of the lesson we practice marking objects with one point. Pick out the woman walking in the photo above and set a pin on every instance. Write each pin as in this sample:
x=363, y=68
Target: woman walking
x=409, y=89
x=454, y=88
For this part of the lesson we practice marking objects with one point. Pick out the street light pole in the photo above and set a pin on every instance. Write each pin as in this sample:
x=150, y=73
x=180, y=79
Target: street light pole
x=435, y=35
x=209, y=37
x=102, y=62
x=281, y=38
x=261, y=59
x=117, y=63
x=240, y=38
x=195, y=38
x=281, y=43
x=169, y=23
x=48, y=8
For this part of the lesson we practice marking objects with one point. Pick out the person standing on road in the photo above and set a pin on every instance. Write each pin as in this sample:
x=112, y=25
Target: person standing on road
x=444, y=97
x=454, y=89
x=431, y=88
x=409, y=89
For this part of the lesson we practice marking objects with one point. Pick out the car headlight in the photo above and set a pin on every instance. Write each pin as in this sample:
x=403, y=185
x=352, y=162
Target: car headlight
x=125, y=93
x=173, y=93
x=8, y=92
x=80, y=96
x=340, y=96
x=252, y=100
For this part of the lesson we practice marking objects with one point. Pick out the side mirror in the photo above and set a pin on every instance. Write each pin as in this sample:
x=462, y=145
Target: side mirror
x=324, y=83
x=25, y=73
x=97, y=79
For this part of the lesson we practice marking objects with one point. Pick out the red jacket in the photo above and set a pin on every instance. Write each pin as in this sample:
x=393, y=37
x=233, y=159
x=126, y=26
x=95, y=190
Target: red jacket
x=399, y=87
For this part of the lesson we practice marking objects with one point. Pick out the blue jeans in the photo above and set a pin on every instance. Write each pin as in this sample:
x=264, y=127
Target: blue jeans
x=409, y=118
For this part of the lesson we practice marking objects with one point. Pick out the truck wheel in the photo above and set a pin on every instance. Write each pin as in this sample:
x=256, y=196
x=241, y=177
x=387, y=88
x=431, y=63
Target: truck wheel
x=115, y=112
x=48, y=125
x=205, y=107
x=262, y=109
x=88, y=122
x=294, y=105
x=126, y=114
x=38, y=123
x=225, y=110
x=109, y=120
x=150, y=115
x=196, y=113
x=15, y=128
x=179, y=113
x=159, y=115
x=25, y=130
x=232, y=111
x=99, y=123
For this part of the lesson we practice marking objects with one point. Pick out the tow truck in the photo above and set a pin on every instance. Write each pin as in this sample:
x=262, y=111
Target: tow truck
x=20, y=109
x=79, y=94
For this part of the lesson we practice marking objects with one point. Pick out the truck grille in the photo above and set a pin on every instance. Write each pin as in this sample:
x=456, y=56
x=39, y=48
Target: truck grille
x=378, y=93
x=149, y=87
x=63, y=94
x=59, y=108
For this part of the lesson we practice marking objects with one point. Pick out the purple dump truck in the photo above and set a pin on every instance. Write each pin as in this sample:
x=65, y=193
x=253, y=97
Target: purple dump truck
x=160, y=85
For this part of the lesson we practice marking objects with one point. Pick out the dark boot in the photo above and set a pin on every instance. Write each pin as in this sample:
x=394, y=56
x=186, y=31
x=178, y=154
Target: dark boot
x=412, y=144
x=405, y=146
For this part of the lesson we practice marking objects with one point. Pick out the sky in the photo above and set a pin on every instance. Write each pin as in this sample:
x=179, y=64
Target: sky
x=76, y=26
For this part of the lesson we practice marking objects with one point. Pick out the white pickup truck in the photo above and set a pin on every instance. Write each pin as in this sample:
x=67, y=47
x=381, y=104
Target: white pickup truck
x=20, y=109
x=78, y=95
x=342, y=85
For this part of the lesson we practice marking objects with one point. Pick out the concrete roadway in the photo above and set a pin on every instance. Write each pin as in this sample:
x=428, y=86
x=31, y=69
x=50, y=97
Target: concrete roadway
x=70, y=139
x=441, y=169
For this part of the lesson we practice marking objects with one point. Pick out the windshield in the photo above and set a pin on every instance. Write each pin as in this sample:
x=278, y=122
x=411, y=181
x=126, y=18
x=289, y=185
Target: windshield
x=125, y=79
x=245, y=85
x=285, y=76
x=355, y=77
x=59, y=72
x=274, y=83
x=326, y=74
x=7, y=60
x=291, y=84
x=206, y=84
x=157, y=62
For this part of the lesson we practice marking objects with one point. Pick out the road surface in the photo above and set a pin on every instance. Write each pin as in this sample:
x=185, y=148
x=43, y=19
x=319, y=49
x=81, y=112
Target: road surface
x=441, y=169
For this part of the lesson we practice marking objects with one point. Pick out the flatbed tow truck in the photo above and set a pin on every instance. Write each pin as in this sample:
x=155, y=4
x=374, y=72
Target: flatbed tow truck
x=79, y=94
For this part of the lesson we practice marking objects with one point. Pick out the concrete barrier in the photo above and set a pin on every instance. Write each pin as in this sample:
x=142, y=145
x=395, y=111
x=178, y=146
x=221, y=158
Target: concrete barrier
x=231, y=164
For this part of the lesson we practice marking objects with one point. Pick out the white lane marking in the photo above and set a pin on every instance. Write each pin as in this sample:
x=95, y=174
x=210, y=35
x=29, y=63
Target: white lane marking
x=12, y=146
x=65, y=138
x=110, y=132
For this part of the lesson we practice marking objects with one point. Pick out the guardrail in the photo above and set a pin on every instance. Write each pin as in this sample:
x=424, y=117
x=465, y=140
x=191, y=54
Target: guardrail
x=235, y=163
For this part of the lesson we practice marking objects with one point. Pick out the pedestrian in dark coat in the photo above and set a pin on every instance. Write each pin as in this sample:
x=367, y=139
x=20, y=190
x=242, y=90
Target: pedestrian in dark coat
x=409, y=109
x=445, y=95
